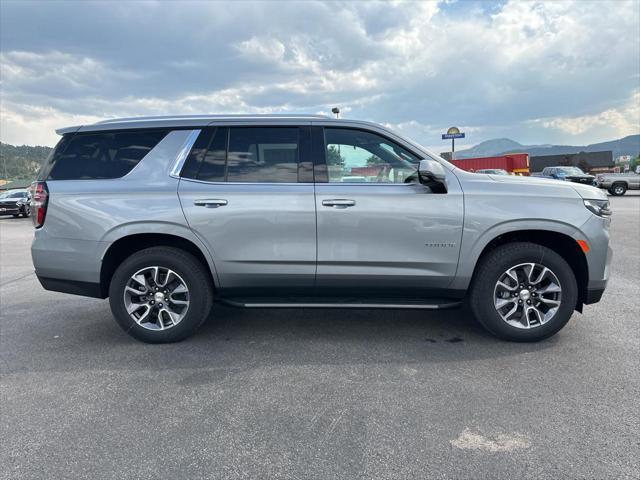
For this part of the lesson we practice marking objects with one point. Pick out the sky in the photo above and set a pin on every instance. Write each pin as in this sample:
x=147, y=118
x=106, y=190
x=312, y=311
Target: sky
x=563, y=72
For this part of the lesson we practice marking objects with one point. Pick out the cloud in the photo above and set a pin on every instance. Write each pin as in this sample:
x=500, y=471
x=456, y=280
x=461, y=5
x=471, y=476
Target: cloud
x=622, y=121
x=528, y=70
x=31, y=125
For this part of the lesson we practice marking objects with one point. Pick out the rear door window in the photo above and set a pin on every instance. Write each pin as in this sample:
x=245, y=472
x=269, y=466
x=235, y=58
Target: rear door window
x=213, y=164
x=248, y=155
x=101, y=155
x=263, y=154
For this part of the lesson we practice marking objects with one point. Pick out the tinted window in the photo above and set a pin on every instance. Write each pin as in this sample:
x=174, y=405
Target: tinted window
x=264, y=154
x=356, y=156
x=197, y=153
x=101, y=155
x=212, y=167
x=47, y=165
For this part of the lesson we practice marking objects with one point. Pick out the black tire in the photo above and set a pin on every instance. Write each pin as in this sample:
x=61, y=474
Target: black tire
x=492, y=265
x=194, y=274
x=618, y=189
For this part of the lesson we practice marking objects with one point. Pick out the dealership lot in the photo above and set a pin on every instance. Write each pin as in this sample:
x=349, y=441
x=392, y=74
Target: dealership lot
x=321, y=394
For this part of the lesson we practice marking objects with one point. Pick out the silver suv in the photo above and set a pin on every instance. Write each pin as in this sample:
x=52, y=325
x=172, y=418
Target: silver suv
x=167, y=215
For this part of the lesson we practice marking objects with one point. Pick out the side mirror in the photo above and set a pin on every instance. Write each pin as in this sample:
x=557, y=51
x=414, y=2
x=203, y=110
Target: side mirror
x=430, y=171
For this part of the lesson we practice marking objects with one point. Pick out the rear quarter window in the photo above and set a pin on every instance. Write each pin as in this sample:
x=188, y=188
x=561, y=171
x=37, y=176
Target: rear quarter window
x=99, y=155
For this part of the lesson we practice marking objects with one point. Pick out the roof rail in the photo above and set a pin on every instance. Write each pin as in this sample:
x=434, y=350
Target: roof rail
x=210, y=117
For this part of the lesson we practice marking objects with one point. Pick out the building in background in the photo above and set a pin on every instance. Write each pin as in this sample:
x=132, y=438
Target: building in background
x=590, y=162
x=515, y=163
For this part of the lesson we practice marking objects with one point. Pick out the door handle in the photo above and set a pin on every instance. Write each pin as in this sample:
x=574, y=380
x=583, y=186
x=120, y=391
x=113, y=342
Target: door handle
x=339, y=203
x=210, y=202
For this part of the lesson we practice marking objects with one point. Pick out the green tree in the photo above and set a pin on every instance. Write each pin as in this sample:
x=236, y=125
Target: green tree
x=333, y=156
x=21, y=162
x=375, y=160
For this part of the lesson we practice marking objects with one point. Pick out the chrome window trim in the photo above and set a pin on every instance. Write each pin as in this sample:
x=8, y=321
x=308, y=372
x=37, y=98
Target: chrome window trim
x=370, y=184
x=355, y=184
x=186, y=179
x=184, y=153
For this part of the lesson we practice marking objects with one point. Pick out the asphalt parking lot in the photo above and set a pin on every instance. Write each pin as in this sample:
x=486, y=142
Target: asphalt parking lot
x=317, y=394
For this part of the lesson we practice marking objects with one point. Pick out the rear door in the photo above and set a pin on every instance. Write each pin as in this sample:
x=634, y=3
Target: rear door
x=247, y=192
x=381, y=234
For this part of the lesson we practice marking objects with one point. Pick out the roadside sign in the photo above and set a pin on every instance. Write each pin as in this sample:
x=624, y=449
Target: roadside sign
x=446, y=136
x=453, y=133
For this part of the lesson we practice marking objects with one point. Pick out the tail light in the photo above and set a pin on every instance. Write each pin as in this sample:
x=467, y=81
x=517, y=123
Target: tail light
x=39, y=201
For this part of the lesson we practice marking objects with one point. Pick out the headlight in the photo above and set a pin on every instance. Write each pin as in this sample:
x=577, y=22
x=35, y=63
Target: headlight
x=598, y=207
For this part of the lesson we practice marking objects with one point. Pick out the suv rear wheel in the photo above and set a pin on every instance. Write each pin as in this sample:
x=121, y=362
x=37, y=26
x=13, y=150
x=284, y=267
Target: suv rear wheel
x=160, y=295
x=523, y=292
x=618, y=189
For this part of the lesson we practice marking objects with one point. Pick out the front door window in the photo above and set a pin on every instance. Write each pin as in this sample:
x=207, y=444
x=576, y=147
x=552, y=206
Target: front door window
x=356, y=156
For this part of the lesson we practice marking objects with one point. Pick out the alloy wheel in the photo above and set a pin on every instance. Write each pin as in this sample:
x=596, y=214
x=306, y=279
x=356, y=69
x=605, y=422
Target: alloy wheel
x=156, y=298
x=527, y=295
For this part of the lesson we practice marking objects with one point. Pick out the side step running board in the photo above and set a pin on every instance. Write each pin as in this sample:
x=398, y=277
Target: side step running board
x=389, y=305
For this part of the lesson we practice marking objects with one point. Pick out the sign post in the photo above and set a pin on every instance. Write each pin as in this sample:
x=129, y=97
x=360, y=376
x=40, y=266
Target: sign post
x=453, y=133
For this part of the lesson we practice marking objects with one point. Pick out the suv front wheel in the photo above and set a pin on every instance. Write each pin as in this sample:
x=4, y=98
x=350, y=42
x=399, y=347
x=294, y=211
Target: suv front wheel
x=523, y=292
x=160, y=295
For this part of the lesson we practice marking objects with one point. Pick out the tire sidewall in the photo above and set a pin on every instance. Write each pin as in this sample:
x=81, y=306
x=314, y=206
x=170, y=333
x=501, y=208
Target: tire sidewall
x=496, y=265
x=188, y=268
x=622, y=189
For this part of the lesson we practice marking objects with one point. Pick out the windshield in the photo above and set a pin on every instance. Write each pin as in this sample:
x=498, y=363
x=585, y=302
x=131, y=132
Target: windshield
x=571, y=171
x=13, y=194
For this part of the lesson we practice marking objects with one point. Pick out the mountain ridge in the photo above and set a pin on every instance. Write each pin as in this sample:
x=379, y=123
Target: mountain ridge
x=629, y=145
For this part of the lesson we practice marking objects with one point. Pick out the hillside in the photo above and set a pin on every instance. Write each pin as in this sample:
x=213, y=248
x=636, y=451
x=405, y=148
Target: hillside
x=624, y=146
x=21, y=161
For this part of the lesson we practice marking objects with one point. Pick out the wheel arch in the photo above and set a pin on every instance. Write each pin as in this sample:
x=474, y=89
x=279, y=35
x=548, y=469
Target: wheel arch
x=623, y=183
x=127, y=245
x=561, y=243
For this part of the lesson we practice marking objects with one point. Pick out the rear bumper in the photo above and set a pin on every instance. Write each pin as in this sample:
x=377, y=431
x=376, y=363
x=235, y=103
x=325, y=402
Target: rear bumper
x=66, y=259
x=74, y=287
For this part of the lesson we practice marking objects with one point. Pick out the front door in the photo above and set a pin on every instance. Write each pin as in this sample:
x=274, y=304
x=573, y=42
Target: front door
x=381, y=233
x=241, y=195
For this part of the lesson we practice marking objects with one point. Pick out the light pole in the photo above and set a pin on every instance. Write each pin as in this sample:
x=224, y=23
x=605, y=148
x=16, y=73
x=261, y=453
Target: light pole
x=336, y=110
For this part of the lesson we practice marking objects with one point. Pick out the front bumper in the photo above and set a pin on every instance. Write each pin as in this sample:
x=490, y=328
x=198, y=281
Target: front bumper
x=10, y=210
x=593, y=295
x=582, y=180
x=596, y=233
